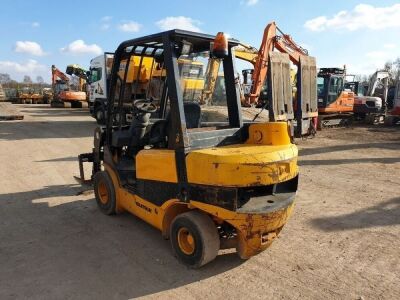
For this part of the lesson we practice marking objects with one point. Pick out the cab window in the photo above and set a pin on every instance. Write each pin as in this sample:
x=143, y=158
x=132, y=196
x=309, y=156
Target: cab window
x=95, y=74
x=336, y=85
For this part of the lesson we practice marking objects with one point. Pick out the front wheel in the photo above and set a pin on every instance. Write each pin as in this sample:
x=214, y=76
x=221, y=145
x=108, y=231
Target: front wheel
x=104, y=192
x=99, y=115
x=194, y=239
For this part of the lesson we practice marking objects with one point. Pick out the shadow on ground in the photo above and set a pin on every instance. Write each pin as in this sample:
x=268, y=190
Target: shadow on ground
x=60, y=159
x=384, y=214
x=336, y=148
x=55, y=112
x=71, y=250
x=332, y=162
x=41, y=130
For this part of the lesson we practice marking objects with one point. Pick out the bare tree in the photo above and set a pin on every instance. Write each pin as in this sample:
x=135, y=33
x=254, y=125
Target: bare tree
x=39, y=79
x=393, y=67
x=27, y=79
x=5, y=78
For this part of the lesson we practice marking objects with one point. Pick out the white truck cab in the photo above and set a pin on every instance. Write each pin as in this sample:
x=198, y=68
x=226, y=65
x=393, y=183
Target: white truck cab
x=100, y=70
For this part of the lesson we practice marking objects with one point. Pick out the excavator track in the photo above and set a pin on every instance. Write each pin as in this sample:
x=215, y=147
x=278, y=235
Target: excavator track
x=334, y=121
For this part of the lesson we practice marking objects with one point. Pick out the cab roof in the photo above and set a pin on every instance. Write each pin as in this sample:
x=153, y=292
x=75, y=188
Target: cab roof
x=197, y=39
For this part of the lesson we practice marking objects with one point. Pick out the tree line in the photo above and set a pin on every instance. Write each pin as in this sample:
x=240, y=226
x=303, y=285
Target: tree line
x=7, y=82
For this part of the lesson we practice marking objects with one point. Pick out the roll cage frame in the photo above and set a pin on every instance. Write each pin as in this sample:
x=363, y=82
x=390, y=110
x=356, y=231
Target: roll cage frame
x=170, y=44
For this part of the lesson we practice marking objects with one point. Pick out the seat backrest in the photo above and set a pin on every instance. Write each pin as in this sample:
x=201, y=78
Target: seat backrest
x=159, y=130
x=192, y=114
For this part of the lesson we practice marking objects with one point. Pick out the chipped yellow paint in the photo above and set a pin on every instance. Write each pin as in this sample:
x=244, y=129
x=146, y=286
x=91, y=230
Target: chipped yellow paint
x=256, y=232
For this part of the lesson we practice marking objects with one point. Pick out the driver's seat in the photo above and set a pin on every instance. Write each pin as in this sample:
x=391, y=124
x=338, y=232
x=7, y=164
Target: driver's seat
x=159, y=130
x=134, y=134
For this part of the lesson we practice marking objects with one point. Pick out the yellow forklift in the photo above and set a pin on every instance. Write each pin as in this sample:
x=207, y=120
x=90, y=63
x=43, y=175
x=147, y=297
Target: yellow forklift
x=206, y=182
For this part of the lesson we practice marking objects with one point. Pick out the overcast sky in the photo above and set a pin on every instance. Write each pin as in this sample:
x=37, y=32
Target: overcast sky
x=36, y=34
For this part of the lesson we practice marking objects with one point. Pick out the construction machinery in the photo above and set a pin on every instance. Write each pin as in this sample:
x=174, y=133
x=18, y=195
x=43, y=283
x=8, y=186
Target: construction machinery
x=29, y=95
x=47, y=95
x=302, y=104
x=370, y=98
x=335, y=103
x=82, y=75
x=205, y=182
x=63, y=94
x=23, y=95
x=392, y=105
x=100, y=70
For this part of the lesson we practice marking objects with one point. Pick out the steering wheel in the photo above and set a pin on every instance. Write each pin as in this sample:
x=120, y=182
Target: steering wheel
x=145, y=106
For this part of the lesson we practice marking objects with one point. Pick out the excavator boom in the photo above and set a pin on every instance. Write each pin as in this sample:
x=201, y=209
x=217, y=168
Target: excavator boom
x=63, y=95
x=273, y=38
x=56, y=73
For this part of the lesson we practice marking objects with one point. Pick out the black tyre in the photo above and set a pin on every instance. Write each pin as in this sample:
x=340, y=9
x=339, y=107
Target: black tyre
x=104, y=192
x=194, y=239
x=99, y=115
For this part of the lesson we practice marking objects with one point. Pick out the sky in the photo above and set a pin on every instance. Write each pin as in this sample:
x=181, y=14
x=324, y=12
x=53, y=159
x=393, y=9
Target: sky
x=362, y=35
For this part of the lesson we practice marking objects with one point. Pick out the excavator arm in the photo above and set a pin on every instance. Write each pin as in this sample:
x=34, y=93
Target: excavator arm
x=243, y=52
x=77, y=71
x=246, y=53
x=80, y=72
x=210, y=79
x=273, y=38
x=56, y=73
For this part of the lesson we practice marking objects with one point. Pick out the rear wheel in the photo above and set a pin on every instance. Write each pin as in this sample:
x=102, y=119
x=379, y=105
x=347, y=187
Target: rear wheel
x=194, y=239
x=104, y=192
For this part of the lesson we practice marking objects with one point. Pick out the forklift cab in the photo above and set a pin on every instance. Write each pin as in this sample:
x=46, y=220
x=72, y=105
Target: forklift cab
x=147, y=108
x=195, y=171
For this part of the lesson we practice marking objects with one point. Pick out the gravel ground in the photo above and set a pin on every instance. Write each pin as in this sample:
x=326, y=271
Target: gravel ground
x=341, y=243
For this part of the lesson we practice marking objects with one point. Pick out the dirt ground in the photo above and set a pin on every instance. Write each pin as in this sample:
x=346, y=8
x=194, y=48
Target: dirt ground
x=341, y=243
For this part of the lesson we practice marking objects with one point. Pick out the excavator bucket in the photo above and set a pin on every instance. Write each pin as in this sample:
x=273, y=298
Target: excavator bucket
x=280, y=88
x=307, y=101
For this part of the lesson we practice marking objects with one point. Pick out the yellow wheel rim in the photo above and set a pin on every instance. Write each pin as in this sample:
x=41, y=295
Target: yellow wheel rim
x=186, y=241
x=103, y=193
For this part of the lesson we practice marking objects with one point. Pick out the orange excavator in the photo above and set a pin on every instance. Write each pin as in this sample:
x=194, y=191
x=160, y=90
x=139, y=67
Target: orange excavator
x=304, y=100
x=335, y=103
x=64, y=96
x=272, y=68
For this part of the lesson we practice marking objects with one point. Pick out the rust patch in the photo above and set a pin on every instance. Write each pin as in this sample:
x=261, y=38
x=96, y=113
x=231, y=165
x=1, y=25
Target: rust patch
x=250, y=224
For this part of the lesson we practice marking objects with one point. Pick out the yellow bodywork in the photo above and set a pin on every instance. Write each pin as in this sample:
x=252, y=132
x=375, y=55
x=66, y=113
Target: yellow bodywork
x=255, y=231
x=156, y=164
x=268, y=157
x=273, y=160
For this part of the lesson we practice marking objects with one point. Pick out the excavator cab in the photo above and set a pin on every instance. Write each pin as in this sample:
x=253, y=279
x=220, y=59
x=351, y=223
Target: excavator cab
x=195, y=171
x=335, y=103
x=330, y=84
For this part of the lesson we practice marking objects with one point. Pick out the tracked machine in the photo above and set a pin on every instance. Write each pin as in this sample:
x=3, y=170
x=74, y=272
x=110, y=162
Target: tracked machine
x=392, y=105
x=370, y=97
x=206, y=184
x=298, y=105
x=335, y=103
x=63, y=94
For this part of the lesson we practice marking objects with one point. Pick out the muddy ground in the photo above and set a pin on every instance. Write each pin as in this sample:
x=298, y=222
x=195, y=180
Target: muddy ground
x=341, y=243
